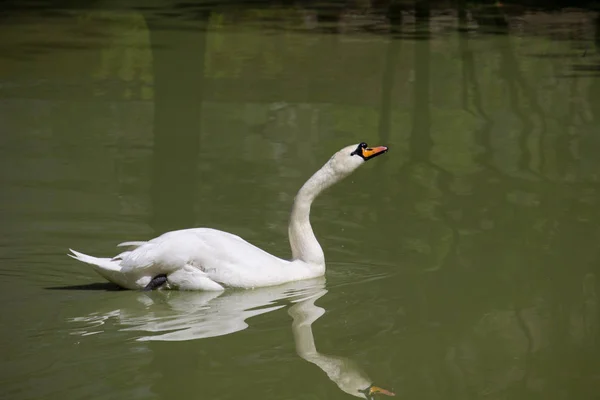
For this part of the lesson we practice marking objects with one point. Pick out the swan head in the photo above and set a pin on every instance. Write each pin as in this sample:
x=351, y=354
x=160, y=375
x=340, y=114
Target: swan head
x=351, y=157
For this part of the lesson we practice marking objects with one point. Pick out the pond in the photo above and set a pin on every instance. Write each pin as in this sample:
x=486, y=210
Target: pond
x=461, y=264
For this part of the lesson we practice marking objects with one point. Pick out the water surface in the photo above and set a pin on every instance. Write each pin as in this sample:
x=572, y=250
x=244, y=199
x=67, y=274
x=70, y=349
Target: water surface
x=462, y=264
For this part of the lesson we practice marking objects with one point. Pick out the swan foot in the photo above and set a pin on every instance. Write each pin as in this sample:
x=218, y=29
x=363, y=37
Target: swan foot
x=156, y=282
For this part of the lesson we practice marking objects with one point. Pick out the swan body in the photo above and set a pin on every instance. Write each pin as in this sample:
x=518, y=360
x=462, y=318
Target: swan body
x=209, y=259
x=200, y=259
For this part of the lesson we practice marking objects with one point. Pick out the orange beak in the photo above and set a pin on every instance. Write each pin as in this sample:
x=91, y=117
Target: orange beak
x=377, y=390
x=371, y=152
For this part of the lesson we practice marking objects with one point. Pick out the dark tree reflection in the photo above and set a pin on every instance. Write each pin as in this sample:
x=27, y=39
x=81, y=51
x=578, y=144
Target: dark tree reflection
x=178, y=64
x=420, y=139
x=387, y=81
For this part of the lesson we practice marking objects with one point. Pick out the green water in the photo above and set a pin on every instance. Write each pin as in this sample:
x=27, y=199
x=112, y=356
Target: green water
x=463, y=264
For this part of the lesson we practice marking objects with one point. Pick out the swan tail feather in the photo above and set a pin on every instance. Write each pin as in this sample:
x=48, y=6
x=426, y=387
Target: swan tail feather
x=134, y=244
x=104, y=263
x=105, y=267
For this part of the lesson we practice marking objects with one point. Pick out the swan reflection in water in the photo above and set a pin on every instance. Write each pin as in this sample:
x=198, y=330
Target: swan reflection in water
x=345, y=373
x=183, y=316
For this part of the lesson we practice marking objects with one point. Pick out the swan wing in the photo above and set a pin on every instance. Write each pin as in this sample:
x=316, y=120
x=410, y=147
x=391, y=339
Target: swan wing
x=131, y=244
x=222, y=257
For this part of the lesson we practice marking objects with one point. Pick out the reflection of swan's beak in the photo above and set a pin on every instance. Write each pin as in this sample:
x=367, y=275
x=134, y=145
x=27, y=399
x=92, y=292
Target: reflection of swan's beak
x=369, y=152
x=377, y=390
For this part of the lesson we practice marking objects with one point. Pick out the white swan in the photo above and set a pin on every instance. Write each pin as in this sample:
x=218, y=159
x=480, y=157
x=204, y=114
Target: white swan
x=209, y=259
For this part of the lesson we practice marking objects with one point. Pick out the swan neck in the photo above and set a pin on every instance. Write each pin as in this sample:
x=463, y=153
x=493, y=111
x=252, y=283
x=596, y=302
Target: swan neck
x=303, y=242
